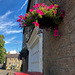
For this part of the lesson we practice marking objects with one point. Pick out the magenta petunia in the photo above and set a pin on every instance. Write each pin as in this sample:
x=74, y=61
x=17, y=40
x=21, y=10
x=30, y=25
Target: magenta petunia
x=55, y=32
x=41, y=13
x=36, y=24
x=38, y=11
x=55, y=12
x=19, y=20
x=24, y=17
x=20, y=16
x=56, y=6
x=63, y=11
x=24, y=24
x=31, y=10
x=51, y=6
x=36, y=6
x=42, y=4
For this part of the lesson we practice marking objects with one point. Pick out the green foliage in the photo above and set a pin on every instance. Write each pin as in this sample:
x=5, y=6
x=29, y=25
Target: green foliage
x=2, y=49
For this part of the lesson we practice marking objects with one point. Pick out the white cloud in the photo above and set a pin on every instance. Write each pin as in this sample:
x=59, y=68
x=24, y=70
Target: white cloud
x=23, y=4
x=13, y=31
x=6, y=14
x=9, y=40
x=6, y=24
x=13, y=52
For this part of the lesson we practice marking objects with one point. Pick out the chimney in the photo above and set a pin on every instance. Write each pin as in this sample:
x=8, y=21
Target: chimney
x=8, y=52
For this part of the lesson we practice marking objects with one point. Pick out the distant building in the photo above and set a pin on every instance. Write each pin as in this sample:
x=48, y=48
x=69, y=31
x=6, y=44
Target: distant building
x=12, y=62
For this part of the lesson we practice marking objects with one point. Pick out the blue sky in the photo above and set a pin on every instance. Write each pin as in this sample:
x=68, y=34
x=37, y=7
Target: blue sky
x=9, y=12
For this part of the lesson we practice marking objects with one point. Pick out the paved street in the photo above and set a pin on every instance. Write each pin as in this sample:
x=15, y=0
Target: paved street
x=4, y=72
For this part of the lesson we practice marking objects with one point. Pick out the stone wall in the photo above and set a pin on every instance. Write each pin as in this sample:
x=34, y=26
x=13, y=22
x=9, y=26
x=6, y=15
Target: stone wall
x=59, y=52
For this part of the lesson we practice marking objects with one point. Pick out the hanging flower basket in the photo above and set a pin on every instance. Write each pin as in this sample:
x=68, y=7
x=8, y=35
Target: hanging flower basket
x=43, y=17
x=45, y=22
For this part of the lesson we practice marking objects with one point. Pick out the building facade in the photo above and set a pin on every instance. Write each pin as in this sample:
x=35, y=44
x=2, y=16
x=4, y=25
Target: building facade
x=12, y=62
x=58, y=52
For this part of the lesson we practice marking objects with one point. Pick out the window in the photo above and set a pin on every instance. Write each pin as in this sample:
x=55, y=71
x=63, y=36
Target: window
x=14, y=59
x=13, y=63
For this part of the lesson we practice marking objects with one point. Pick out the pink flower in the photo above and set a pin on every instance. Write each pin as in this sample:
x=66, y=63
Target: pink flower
x=41, y=13
x=55, y=32
x=47, y=7
x=20, y=16
x=36, y=24
x=55, y=12
x=31, y=10
x=38, y=11
x=19, y=20
x=24, y=17
x=56, y=6
x=63, y=11
x=36, y=6
x=33, y=22
x=24, y=24
x=51, y=6
x=62, y=15
x=42, y=4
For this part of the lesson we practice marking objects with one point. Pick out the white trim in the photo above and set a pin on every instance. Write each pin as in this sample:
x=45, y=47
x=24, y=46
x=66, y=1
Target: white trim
x=34, y=41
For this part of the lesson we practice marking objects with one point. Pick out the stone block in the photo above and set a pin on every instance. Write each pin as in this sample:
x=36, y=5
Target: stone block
x=65, y=62
x=72, y=36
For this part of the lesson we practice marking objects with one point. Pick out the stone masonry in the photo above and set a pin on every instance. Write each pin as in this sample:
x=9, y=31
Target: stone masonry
x=59, y=52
